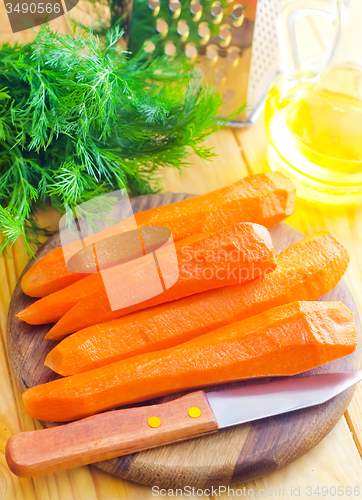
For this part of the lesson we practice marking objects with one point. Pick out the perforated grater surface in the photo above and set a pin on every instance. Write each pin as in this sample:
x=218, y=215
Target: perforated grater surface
x=233, y=44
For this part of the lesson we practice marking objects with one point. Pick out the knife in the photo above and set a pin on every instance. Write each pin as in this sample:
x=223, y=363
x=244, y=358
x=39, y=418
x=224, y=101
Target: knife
x=120, y=432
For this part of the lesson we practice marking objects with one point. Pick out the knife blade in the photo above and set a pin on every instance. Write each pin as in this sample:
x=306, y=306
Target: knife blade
x=121, y=432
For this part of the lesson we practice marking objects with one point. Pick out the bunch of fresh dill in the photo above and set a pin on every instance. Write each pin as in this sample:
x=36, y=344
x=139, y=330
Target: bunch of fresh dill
x=79, y=118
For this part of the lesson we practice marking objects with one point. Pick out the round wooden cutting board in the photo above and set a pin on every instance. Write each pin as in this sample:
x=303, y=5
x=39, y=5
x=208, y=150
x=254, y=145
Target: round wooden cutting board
x=232, y=455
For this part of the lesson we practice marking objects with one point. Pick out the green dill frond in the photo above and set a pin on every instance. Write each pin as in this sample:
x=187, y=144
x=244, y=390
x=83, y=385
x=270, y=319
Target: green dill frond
x=79, y=118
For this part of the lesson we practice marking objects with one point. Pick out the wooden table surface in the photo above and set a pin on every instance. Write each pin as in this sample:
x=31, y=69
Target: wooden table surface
x=334, y=462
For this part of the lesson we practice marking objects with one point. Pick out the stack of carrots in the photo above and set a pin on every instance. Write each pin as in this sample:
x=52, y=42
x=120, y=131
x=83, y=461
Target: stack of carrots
x=258, y=320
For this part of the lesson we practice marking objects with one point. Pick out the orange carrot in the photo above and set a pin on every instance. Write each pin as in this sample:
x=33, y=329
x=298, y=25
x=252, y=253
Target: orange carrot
x=305, y=271
x=247, y=236
x=52, y=307
x=49, y=274
x=235, y=254
x=264, y=199
x=285, y=340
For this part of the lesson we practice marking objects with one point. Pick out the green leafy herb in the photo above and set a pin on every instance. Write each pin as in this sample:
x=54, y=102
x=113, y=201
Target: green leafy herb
x=80, y=118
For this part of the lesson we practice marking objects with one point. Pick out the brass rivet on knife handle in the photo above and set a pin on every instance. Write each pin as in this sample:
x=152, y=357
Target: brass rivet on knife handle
x=194, y=412
x=154, y=422
x=108, y=435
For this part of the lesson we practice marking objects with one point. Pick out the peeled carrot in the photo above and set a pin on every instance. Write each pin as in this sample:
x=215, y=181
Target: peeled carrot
x=248, y=237
x=233, y=255
x=305, y=271
x=264, y=199
x=49, y=274
x=52, y=307
x=285, y=340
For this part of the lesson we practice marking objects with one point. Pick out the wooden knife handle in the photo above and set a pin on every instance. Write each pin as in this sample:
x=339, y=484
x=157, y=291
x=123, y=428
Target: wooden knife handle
x=108, y=435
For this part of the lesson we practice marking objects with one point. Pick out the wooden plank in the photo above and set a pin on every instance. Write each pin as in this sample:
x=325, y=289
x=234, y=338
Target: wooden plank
x=204, y=176
x=78, y=483
x=302, y=228
x=353, y=418
x=20, y=257
x=82, y=13
x=6, y=35
x=10, y=486
x=344, y=221
x=253, y=144
x=192, y=462
x=108, y=486
x=5, y=294
x=324, y=465
x=316, y=464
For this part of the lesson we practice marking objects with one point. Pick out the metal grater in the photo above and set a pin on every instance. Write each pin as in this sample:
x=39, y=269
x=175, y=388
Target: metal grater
x=234, y=44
